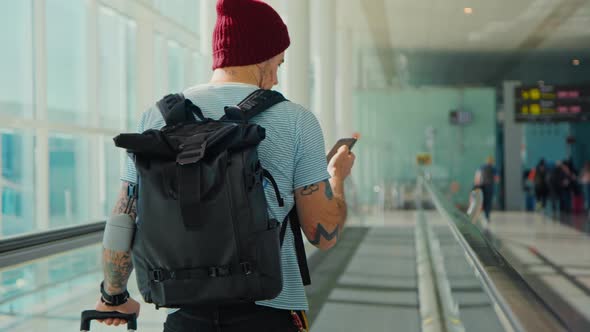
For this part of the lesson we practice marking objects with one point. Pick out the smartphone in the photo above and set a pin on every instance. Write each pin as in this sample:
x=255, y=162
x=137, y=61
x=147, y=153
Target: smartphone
x=343, y=141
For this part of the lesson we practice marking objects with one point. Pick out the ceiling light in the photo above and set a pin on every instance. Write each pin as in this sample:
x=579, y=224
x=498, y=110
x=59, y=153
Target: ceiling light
x=468, y=10
x=576, y=62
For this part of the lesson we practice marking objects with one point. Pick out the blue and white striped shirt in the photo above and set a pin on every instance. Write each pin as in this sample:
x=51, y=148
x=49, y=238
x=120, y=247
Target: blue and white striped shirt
x=293, y=152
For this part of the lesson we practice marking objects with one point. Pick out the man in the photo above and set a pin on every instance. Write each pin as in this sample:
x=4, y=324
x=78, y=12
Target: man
x=249, y=42
x=485, y=178
x=539, y=178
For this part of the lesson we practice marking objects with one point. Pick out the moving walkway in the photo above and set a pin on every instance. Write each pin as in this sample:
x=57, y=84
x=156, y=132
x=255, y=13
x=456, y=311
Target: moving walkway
x=434, y=271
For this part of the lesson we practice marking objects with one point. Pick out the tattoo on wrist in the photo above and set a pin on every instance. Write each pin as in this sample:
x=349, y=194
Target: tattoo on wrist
x=329, y=192
x=308, y=190
x=320, y=232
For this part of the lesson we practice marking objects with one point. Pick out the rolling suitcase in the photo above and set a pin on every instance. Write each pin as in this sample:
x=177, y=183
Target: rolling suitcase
x=90, y=315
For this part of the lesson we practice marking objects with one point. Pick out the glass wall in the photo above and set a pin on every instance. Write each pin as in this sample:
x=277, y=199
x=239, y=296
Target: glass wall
x=117, y=94
x=16, y=80
x=176, y=65
x=16, y=181
x=160, y=67
x=60, y=167
x=67, y=84
x=182, y=12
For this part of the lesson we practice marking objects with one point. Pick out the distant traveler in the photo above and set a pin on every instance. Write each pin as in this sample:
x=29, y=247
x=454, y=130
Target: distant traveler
x=567, y=183
x=556, y=177
x=249, y=43
x=539, y=178
x=586, y=182
x=486, y=178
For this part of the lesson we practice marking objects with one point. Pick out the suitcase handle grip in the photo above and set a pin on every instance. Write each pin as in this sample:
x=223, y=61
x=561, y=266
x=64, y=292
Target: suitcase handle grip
x=89, y=315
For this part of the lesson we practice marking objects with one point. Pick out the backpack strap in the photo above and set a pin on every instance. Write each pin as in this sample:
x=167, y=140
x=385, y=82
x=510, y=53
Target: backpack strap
x=175, y=108
x=256, y=103
x=293, y=220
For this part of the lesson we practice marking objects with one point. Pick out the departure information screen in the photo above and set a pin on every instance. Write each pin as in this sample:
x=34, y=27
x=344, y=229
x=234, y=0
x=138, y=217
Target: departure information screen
x=548, y=103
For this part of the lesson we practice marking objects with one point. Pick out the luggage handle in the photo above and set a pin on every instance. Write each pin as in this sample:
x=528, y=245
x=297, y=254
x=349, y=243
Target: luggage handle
x=89, y=315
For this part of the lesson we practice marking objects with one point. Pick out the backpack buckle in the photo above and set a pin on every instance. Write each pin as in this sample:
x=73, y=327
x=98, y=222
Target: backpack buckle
x=219, y=271
x=246, y=268
x=191, y=154
x=157, y=275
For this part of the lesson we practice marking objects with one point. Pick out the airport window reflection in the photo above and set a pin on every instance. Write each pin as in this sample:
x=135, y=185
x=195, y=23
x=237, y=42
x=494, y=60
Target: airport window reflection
x=176, y=67
x=16, y=182
x=16, y=80
x=66, y=33
x=62, y=168
x=160, y=67
x=117, y=95
x=68, y=180
x=182, y=12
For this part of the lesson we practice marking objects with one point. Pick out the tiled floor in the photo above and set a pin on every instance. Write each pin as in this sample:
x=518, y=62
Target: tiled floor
x=559, y=254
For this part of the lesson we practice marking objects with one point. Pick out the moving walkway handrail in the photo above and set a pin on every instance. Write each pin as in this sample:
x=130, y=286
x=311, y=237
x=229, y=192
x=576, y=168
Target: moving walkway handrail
x=18, y=249
x=475, y=259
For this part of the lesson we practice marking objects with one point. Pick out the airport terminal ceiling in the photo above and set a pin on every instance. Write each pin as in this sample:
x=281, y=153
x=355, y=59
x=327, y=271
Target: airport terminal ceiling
x=455, y=42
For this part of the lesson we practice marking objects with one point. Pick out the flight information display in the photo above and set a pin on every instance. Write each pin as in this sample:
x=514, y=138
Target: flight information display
x=548, y=103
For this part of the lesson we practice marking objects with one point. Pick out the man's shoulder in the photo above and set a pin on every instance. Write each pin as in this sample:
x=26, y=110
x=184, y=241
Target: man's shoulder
x=296, y=109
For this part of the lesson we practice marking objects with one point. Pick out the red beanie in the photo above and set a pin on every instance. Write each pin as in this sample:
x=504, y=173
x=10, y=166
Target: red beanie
x=247, y=32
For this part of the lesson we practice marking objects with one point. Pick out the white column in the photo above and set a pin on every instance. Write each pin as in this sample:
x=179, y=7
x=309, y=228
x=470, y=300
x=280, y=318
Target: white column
x=297, y=56
x=41, y=146
x=323, y=48
x=145, y=63
x=1, y=187
x=91, y=174
x=344, y=86
x=208, y=17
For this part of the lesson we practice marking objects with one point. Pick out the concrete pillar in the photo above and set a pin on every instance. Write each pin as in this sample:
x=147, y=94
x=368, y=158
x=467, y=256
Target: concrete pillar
x=323, y=59
x=344, y=86
x=513, y=139
x=298, y=54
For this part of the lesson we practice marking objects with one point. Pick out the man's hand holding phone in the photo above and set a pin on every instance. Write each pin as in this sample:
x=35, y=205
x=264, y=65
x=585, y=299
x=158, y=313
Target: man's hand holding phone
x=340, y=165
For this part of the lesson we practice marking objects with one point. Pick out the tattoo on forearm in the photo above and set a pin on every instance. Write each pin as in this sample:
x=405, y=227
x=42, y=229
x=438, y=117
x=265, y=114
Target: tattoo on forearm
x=320, y=232
x=117, y=267
x=308, y=190
x=329, y=192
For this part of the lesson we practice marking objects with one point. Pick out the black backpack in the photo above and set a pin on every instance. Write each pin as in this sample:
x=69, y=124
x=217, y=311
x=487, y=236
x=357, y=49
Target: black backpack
x=203, y=234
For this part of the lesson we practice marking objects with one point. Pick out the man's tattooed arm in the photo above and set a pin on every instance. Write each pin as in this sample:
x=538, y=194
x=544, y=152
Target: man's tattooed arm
x=322, y=210
x=320, y=232
x=117, y=265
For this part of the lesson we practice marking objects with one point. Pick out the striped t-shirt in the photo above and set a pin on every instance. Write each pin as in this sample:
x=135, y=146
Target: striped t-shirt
x=293, y=152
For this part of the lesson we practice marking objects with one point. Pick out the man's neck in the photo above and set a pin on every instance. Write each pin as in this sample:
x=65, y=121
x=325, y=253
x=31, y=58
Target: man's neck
x=244, y=74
